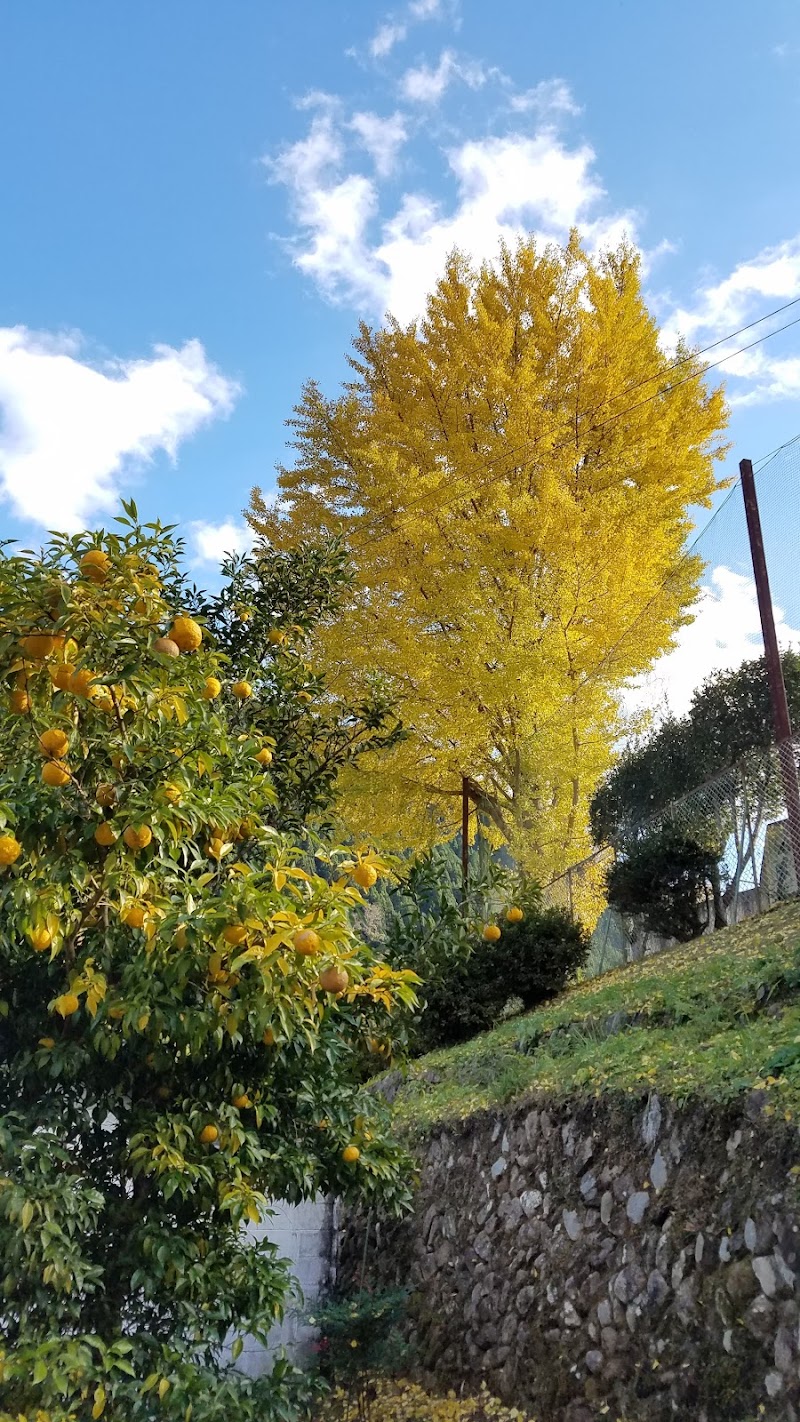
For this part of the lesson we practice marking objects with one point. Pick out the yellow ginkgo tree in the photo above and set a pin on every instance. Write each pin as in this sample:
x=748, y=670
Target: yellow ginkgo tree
x=184, y=1007
x=513, y=476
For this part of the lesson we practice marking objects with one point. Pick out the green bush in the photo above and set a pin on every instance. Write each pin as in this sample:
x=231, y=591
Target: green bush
x=530, y=962
x=671, y=882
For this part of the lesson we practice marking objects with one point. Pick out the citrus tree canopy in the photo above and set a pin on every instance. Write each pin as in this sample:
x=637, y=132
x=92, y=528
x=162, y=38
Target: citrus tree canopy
x=184, y=1010
x=512, y=476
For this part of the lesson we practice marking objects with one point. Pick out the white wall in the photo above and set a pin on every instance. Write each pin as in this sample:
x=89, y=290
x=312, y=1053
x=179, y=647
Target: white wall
x=302, y=1234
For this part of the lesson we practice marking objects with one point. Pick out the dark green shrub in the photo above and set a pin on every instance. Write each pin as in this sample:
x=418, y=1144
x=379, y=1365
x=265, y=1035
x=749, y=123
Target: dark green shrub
x=669, y=881
x=531, y=962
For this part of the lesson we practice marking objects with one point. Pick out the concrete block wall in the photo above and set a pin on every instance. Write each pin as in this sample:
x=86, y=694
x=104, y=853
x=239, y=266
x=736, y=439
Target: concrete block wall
x=302, y=1234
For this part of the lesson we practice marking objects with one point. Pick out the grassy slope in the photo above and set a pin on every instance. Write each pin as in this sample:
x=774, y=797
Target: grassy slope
x=712, y=1015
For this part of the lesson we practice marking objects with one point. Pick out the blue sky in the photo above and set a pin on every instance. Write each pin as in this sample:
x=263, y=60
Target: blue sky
x=199, y=201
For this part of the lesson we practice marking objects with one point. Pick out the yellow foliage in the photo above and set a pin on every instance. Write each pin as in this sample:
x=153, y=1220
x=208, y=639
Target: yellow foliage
x=387, y=1400
x=515, y=507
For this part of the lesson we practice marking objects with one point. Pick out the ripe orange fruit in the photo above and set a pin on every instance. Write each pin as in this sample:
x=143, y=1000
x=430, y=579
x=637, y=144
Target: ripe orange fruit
x=208, y=1135
x=66, y=1004
x=80, y=681
x=10, y=849
x=264, y=756
x=269, y=1037
x=134, y=915
x=334, y=980
x=137, y=836
x=55, y=774
x=105, y=835
x=242, y=689
x=491, y=932
x=166, y=647
x=41, y=938
x=37, y=645
x=514, y=915
x=186, y=634
x=365, y=875
x=172, y=793
x=19, y=702
x=234, y=934
x=350, y=1154
x=47, y=1042
x=53, y=743
x=101, y=700
x=242, y=1102
x=306, y=942
x=211, y=688
x=62, y=674
x=275, y=637
x=95, y=565
x=105, y=795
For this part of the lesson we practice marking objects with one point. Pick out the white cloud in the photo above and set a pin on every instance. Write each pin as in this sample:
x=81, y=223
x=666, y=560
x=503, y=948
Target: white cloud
x=549, y=99
x=385, y=39
x=382, y=137
x=425, y=9
x=426, y=85
x=768, y=280
x=726, y=631
x=506, y=187
x=72, y=429
x=213, y=540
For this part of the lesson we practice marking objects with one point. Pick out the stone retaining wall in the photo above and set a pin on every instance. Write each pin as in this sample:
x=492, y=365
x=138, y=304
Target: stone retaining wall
x=610, y=1259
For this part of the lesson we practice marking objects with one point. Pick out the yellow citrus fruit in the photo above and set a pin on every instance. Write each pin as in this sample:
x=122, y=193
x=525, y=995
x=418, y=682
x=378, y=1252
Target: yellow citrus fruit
x=134, y=915
x=105, y=795
x=275, y=637
x=365, y=875
x=47, y=1042
x=180, y=936
x=105, y=835
x=514, y=915
x=215, y=848
x=242, y=1102
x=350, y=1154
x=234, y=934
x=491, y=932
x=38, y=645
x=19, y=702
x=55, y=774
x=41, y=938
x=166, y=647
x=172, y=793
x=66, y=1004
x=10, y=849
x=95, y=565
x=80, y=681
x=101, y=700
x=305, y=697
x=186, y=634
x=264, y=756
x=334, y=980
x=53, y=743
x=269, y=1037
x=211, y=688
x=208, y=1135
x=62, y=675
x=306, y=942
x=242, y=689
x=137, y=836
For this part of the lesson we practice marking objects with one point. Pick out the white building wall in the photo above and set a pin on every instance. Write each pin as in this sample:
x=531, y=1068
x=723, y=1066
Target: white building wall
x=302, y=1234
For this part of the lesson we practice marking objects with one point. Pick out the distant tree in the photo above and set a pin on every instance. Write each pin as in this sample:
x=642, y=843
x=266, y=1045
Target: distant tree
x=666, y=880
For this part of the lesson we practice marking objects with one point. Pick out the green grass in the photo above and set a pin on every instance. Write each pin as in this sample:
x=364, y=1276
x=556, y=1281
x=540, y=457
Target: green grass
x=704, y=1030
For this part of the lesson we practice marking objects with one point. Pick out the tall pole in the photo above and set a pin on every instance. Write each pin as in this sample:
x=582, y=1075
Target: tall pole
x=465, y=840
x=772, y=657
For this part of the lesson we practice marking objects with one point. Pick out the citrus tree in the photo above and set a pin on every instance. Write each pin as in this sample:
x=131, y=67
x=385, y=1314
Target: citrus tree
x=183, y=1006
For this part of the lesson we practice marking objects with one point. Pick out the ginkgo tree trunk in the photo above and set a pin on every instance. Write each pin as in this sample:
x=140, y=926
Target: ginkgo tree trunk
x=184, y=1009
x=512, y=475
